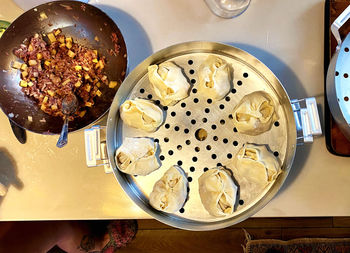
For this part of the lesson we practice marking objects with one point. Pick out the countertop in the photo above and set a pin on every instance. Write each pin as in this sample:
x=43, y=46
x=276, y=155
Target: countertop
x=287, y=35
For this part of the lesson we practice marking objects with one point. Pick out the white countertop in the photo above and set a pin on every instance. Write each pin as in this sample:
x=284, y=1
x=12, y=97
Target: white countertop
x=286, y=35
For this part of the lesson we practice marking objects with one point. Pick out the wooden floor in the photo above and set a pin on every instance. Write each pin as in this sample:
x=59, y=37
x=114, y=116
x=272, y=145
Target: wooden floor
x=154, y=236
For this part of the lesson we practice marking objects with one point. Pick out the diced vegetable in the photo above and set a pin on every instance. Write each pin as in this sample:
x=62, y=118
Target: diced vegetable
x=58, y=31
x=112, y=84
x=47, y=63
x=51, y=37
x=86, y=68
x=82, y=114
x=30, y=48
x=32, y=62
x=61, y=39
x=101, y=64
x=46, y=98
x=86, y=76
x=43, y=16
x=30, y=84
x=97, y=39
x=24, y=74
x=16, y=65
x=54, y=107
x=24, y=66
x=71, y=54
x=77, y=84
x=98, y=93
x=23, y=83
x=95, y=60
x=51, y=93
x=69, y=45
x=69, y=42
x=39, y=56
x=65, y=82
x=77, y=67
x=88, y=88
x=88, y=104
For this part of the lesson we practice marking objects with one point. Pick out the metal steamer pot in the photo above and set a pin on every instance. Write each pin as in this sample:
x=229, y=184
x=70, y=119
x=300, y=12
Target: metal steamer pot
x=338, y=77
x=298, y=122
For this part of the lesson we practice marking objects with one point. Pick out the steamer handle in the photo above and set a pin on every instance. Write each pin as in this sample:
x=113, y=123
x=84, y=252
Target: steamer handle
x=339, y=22
x=95, y=149
x=307, y=119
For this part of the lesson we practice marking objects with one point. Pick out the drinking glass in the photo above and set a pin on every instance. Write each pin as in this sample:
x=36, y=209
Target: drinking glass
x=228, y=8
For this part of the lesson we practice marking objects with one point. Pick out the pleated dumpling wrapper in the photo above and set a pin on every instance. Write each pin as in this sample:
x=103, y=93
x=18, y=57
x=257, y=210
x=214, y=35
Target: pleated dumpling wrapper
x=142, y=114
x=217, y=191
x=257, y=164
x=168, y=83
x=255, y=113
x=214, y=78
x=170, y=192
x=137, y=156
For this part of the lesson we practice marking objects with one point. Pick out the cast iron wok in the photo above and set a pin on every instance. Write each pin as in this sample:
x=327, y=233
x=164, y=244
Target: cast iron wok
x=83, y=22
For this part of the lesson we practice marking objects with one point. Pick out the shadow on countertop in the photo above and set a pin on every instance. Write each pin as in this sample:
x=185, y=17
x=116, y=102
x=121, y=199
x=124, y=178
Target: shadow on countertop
x=294, y=88
x=137, y=42
x=8, y=171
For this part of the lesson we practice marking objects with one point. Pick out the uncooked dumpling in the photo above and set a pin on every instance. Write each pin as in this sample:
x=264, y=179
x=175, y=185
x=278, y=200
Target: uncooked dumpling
x=214, y=78
x=170, y=192
x=255, y=113
x=137, y=156
x=168, y=83
x=217, y=192
x=257, y=164
x=141, y=114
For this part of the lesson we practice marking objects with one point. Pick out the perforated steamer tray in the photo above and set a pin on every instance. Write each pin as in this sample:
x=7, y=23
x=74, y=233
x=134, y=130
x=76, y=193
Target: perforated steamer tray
x=177, y=140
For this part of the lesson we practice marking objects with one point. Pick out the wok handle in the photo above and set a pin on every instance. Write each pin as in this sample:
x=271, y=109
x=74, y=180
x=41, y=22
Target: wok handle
x=19, y=132
x=339, y=22
x=95, y=149
x=307, y=119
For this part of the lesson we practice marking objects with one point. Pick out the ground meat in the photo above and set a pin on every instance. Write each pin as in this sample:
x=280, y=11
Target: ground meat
x=52, y=71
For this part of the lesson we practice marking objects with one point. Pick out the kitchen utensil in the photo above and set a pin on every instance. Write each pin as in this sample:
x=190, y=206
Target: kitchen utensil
x=179, y=143
x=69, y=106
x=338, y=94
x=88, y=26
x=336, y=142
